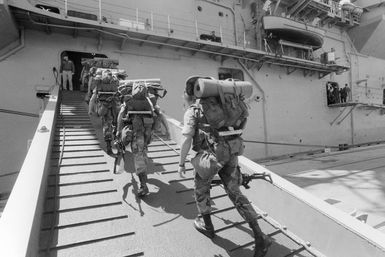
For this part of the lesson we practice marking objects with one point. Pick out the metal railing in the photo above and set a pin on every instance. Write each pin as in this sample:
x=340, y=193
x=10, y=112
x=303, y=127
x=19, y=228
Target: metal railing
x=144, y=20
x=20, y=220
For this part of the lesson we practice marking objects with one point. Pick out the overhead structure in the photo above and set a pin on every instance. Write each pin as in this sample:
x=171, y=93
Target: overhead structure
x=350, y=106
x=252, y=57
x=326, y=11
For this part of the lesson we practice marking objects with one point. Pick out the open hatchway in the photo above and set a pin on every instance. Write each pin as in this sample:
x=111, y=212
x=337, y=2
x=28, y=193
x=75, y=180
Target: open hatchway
x=77, y=57
x=90, y=211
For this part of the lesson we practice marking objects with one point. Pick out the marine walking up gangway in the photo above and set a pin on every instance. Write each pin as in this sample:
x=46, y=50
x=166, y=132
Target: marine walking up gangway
x=86, y=212
x=81, y=208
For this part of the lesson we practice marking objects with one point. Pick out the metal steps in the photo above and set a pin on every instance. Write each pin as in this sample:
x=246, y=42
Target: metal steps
x=89, y=211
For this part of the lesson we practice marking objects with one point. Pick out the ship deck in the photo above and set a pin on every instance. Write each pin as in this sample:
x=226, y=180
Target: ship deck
x=89, y=211
x=351, y=180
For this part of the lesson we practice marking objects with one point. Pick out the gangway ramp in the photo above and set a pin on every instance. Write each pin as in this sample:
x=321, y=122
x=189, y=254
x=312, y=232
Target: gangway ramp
x=89, y=211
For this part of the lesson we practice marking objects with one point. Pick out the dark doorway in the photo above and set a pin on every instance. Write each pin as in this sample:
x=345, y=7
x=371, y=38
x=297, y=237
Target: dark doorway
x=332, y=92
x=76, y=58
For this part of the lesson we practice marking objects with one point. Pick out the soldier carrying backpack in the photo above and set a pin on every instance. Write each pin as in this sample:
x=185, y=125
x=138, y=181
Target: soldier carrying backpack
x=107, y=106
x=213, y=126
x=136, y=123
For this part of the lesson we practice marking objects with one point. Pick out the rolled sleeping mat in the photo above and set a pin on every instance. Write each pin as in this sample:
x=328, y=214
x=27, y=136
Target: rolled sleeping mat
x=210, y=87
x=130, y=82
x=153, y=83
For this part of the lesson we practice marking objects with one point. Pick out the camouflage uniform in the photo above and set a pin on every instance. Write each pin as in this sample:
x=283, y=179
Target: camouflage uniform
x=206, y=167
x=216, y=155
x=137, y=130
x=107, y=107
x=92, y=88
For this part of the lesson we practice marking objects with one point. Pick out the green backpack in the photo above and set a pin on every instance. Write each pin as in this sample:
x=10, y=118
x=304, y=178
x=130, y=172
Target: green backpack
x=224, y=109
x=223, y=102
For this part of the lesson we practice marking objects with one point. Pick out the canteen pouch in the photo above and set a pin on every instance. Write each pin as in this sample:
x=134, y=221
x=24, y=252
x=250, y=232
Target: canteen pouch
x=206, y=165
x=127, y=135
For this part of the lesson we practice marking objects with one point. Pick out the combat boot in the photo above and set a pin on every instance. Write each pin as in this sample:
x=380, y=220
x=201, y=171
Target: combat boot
x=109, y=147
x=262, y=242
x=143, y=190
x=206, y=227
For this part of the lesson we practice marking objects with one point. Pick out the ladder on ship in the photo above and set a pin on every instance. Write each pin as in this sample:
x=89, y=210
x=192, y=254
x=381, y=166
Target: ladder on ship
x=89, y=211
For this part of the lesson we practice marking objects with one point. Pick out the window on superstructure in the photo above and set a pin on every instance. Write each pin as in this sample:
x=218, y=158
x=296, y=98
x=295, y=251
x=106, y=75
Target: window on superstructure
x=228, y=73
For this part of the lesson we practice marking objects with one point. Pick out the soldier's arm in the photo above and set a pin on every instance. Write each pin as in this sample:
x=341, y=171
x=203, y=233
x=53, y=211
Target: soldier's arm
x=163, y=121
x=188, y=131
x=185, y=148
x=82, y=73
x=120, y=119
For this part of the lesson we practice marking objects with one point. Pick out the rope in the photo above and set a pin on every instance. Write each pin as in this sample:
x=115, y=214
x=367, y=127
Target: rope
x=289, y=144
x=28, y=114
x=167, y=144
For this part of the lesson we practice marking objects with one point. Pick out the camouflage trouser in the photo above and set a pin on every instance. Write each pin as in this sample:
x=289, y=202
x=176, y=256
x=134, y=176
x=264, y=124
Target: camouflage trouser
x=231, y=178
x=108, y=123
x=139, y=150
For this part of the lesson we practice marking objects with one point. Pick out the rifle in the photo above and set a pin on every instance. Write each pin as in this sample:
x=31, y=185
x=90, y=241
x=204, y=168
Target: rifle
x=119, y=159
x=246, y=178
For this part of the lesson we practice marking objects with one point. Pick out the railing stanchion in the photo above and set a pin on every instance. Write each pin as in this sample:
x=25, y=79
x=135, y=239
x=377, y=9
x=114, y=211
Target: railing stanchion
x=168, y=24
x=220, y=33
x=152, y=21
x=100, y=11
x=196, y=29
x=137, y=18
x=65, y=7
x=244, y=39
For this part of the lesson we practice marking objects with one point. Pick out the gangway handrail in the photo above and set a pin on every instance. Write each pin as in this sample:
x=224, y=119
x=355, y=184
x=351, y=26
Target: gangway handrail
x=21, y=218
